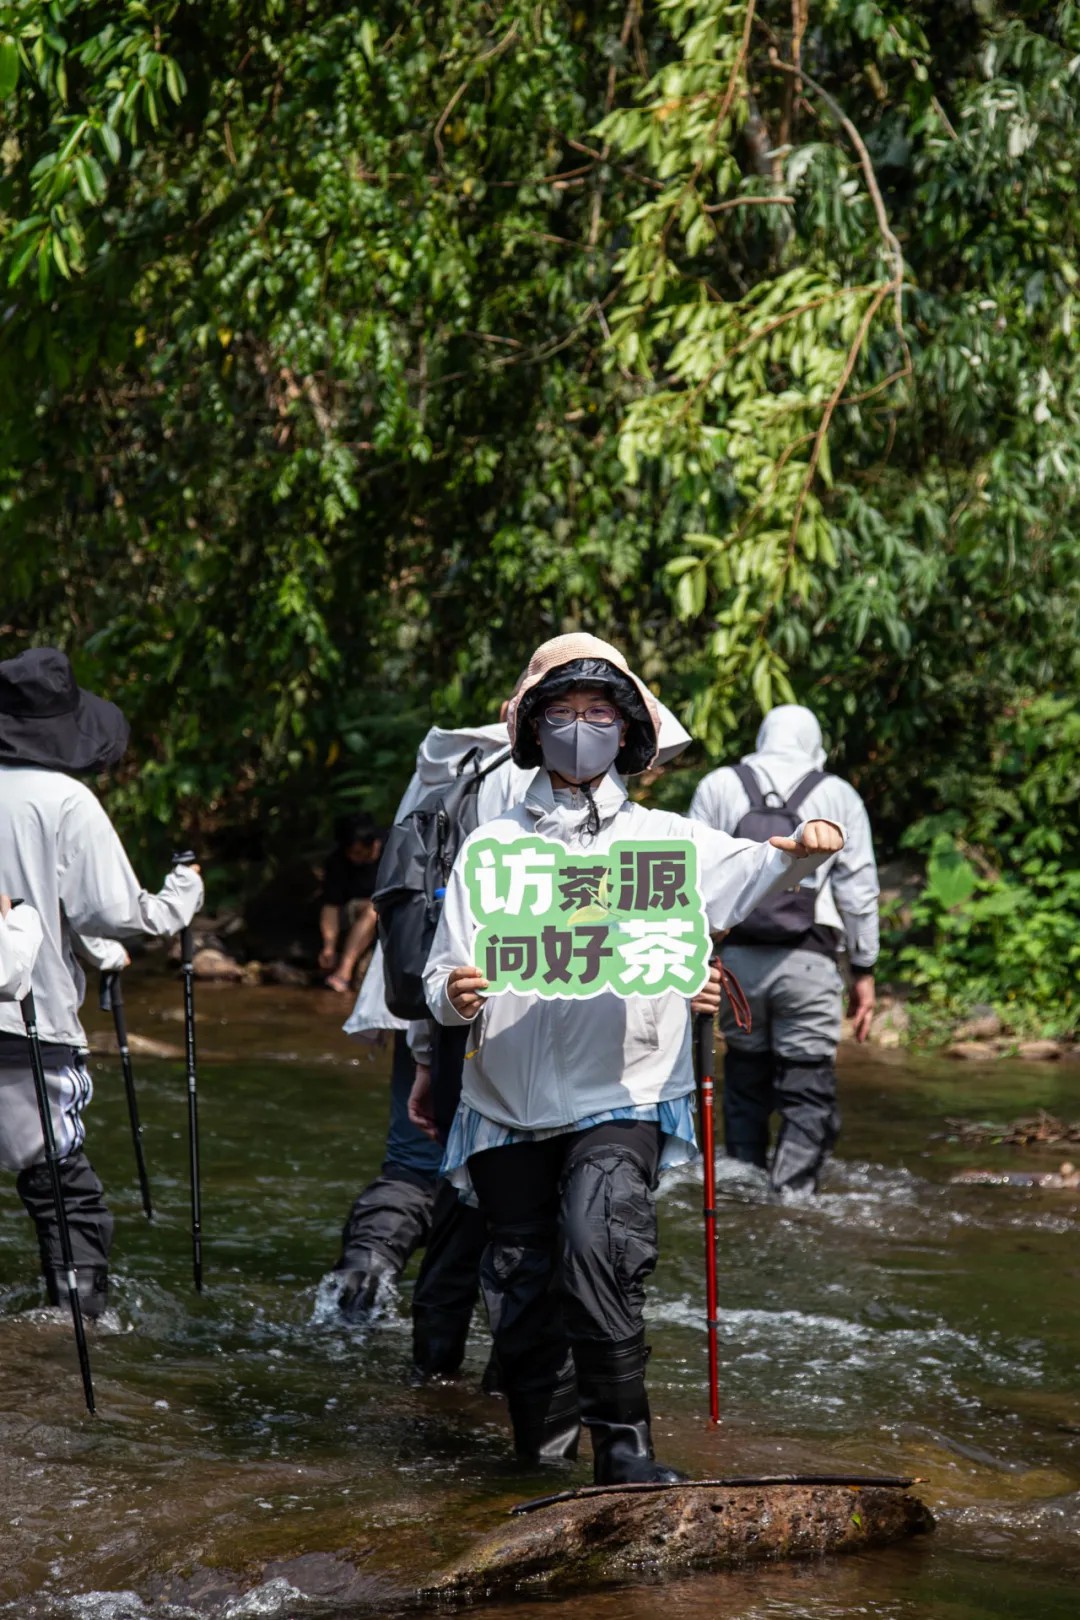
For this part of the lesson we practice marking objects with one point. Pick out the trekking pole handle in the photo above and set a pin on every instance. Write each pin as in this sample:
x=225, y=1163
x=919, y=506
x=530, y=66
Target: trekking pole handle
x=185, y=857
x=704, y=1044
x=110, y=990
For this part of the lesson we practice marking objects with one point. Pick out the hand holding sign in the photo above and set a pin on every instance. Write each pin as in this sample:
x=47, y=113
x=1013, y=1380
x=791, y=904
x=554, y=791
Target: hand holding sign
x=463, y=987
x=818, y=837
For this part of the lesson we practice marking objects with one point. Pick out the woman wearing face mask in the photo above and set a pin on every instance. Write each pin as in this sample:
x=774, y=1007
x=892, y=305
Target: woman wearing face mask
x=571, y=1109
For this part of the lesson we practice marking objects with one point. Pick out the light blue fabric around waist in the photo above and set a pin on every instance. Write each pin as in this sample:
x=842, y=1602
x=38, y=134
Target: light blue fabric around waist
x=472, y=1133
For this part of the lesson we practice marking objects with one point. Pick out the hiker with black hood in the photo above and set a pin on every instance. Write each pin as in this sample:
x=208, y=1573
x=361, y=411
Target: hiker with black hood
x=405, y=1208
x=570, y=1109
x=785, y=953
x=61, y=854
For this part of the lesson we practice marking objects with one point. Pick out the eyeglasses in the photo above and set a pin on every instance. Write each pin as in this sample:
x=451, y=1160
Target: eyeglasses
x=597, y=714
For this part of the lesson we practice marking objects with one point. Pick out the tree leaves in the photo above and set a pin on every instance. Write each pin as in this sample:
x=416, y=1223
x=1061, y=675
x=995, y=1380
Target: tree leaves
x=313, y=424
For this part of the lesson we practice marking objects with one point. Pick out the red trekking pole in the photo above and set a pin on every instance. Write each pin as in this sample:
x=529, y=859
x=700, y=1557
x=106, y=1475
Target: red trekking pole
x=704, y=1063
x=704, y=1055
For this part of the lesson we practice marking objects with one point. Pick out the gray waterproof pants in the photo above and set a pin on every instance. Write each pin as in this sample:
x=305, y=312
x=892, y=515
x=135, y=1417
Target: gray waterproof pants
x=22, y=1148
x=786, y=1064
x=69, y=1088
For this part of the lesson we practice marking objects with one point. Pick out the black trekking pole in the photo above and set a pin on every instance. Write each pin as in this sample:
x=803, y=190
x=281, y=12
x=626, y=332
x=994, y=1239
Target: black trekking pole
x=187, y=951
x=112, y=997
x=48, y=1135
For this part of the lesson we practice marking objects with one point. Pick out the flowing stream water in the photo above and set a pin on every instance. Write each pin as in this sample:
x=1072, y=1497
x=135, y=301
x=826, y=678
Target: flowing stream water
x=253, y=1457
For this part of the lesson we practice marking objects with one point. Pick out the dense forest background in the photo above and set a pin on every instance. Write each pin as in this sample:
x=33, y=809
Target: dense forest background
x=346, y=351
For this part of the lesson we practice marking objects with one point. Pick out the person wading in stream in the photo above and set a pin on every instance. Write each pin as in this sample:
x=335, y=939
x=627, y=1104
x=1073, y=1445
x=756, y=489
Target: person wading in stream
x=60, y=852
x=570, y=1109
x=405, y=1208
x=393, y=1215
x=785, y=953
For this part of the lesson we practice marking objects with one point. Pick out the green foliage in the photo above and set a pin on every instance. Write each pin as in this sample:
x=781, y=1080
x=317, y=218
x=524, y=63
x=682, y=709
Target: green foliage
x=348, y=350
x=295, y=443
x=850, y=305
x=998, y=920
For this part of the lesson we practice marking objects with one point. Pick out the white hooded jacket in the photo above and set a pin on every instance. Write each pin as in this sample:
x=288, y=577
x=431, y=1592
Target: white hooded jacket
x=538, y=1064
x=439, y=759
x=60, y=851
x=788, y=746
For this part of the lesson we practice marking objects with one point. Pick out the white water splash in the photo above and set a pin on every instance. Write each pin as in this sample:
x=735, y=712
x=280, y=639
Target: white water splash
x=269, y=1599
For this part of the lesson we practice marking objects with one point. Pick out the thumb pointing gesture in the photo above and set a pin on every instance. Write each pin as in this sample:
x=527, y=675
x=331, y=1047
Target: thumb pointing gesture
x=818, y=838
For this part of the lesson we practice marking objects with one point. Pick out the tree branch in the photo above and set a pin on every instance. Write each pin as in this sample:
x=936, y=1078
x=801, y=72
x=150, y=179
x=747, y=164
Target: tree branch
x=888, y=235
x=485, y=56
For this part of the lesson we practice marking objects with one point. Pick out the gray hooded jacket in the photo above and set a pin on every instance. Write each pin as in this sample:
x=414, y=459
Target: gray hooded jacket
x=788, y=746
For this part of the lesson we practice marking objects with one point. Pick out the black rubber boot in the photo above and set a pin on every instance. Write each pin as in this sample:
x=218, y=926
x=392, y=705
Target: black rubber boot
x=360, y=1282
x=93, y=1286
x=90, y=1227
x=447, y=1285
x=809, y=1127
x=392, y=1217
x=493, y=1382
x=547, y=1424
x=747, y=1103
x=615, y=1410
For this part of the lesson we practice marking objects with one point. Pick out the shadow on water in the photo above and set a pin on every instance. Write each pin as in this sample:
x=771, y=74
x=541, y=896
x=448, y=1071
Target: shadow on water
x=253, y=1456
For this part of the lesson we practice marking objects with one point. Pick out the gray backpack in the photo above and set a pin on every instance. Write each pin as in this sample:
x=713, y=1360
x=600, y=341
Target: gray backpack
x=787, y=917
x=413, y=872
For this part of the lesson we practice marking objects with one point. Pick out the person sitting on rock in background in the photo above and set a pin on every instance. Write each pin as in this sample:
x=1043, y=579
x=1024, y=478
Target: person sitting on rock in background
x=785, y=953
x=345, y=901
x=61, y=854
x=570, y=1109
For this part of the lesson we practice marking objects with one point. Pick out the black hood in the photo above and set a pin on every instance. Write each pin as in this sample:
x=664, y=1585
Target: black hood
x=639, y=749
x=46, y=719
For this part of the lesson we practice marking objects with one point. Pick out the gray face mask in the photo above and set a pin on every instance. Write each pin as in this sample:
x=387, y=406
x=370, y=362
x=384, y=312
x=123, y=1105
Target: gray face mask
x=579, y=751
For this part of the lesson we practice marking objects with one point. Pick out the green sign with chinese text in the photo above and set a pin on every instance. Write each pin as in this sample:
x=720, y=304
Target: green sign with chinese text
x=561, y=924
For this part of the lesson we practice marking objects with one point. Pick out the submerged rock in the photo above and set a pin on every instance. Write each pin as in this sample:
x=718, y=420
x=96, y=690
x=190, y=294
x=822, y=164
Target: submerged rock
x=612, y=1535
x=1039, y=1051
x=1067, y=1176
x=974, y=1051
x=983, y=1025
x=105, y=1045
x=208, y=963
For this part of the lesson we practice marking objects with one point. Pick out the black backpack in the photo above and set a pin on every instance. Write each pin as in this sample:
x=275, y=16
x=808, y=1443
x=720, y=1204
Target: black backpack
x=415, y=865
x=786, y=917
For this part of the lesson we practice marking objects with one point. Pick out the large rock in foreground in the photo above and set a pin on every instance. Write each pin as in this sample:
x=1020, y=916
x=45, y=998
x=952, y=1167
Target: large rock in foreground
x=611, y=1537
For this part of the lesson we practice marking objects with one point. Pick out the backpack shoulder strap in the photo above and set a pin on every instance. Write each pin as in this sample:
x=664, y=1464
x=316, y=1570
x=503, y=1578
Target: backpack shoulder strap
x=493, y=763
x=752, y=785
x=471, y=759
x=807, y=785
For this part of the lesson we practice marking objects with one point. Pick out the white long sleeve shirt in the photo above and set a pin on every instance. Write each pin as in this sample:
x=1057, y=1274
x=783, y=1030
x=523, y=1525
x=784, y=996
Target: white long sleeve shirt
x=847, y=883
x=60, y=852
x=538, y=1063
x=20, y=941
